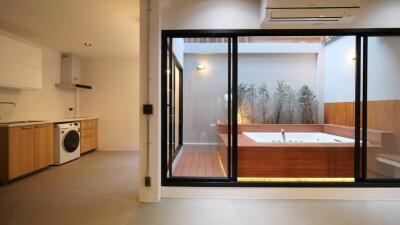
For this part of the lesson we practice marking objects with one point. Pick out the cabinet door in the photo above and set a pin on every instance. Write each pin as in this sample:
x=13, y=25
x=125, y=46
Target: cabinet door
x=20, y=64
x=43, y=146
x=88, y=135
x=21, y=151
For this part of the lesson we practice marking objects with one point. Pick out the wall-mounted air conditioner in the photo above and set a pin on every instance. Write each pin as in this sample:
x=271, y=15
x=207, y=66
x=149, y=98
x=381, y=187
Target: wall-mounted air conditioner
x=308, y=11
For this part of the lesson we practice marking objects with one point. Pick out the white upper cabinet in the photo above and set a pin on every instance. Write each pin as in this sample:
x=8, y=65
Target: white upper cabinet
x=20, y=64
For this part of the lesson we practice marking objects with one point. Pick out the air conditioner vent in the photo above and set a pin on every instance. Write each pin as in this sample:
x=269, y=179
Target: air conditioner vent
x=308, y=11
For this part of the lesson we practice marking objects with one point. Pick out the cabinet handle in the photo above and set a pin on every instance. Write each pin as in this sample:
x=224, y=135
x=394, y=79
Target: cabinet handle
x=28, y=127
x=39, y=126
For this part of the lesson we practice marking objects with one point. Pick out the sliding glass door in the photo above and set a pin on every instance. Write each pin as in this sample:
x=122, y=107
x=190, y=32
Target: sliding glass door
x=280, y=108
x=381, y=107
x=296, y=116
x=197, y=115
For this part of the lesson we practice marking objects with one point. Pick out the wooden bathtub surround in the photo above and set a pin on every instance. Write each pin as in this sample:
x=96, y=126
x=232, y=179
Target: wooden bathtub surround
x=293, y=160
x=299, y=160
x=222, y=128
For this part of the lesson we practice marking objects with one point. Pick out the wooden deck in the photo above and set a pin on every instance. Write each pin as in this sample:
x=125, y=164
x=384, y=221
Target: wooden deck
x=199, y=161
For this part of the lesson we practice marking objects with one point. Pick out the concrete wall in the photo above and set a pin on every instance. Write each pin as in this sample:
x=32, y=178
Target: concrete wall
x=340, y=70
x=383, y=69
x=114, y=99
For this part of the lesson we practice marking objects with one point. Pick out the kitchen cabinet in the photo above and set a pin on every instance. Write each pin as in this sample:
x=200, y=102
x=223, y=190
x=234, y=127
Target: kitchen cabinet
x=25, y=149
x=43, y=146
x=20, y=151
x=20, y=64
x=89, y=135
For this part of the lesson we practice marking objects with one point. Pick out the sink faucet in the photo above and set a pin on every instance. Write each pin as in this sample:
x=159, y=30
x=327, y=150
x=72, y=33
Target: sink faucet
x=7, y=103
x=283, y=135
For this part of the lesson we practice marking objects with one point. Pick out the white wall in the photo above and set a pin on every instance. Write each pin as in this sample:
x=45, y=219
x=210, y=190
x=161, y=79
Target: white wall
x=383, y=69
x=49, y=103
x=212, y=14
x=209, y=14
x=114, y=100
x=340, y=70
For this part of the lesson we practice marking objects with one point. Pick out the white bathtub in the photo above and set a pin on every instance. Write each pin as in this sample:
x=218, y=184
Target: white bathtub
x=296, y=137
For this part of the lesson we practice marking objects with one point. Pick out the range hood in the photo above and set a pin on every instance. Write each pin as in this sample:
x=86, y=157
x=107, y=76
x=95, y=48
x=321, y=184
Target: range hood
x=70, y=72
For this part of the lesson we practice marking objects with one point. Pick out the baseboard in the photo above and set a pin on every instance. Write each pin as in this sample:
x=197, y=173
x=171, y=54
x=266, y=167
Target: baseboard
x=282, y=193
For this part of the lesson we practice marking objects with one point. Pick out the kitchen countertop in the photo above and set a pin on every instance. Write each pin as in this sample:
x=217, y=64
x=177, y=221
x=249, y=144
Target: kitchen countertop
x=18, y=123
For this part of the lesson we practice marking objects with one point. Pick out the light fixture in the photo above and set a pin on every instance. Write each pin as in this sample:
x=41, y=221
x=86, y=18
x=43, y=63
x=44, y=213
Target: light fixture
x=201, y=67
x=87, y=44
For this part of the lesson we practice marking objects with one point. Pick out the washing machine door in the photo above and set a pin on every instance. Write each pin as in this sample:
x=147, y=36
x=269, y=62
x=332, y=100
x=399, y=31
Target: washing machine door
x=71, y=141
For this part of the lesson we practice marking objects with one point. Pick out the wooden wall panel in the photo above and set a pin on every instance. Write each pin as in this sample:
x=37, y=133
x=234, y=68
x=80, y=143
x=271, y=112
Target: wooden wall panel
x=339, y=113
x=382, y=115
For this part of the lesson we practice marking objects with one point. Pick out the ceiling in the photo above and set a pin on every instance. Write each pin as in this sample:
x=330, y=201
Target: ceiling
x=112, y=26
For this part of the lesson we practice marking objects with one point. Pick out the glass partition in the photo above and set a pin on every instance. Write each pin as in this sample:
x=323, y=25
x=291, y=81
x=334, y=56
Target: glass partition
x=296, y=117
x=383, y=107
x=198, y=87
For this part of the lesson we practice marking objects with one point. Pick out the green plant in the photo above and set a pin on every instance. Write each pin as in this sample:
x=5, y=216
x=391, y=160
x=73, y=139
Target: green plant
x=251, y=95
x=280, y=95
x=306, y=100
x=241, y=99
x=290, y=107
x=264, y=98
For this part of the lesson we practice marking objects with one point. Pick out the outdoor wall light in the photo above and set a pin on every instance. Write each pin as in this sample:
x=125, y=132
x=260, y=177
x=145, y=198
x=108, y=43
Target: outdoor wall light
x=201, y=67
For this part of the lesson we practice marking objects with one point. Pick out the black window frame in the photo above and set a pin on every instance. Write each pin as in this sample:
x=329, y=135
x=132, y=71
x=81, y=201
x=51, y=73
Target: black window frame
x=361, y=72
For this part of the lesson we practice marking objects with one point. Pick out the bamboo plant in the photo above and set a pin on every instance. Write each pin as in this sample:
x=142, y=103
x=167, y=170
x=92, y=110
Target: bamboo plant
x=306, y=101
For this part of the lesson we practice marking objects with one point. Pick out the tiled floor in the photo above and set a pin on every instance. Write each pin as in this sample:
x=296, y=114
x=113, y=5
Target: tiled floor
x=199, y=161
x=101, y=189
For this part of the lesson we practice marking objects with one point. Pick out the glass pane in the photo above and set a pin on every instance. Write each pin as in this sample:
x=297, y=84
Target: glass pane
x=201, y=149
x=383, y=152
x=296, y=109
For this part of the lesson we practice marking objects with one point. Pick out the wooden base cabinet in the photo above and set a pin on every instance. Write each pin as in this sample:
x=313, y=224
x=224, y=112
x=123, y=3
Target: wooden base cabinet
x=43, y=146
x=25, y=149
x=89, y=135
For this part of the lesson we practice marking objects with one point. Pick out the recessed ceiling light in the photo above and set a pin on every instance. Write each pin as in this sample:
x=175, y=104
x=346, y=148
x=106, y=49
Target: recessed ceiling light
x=87, y=44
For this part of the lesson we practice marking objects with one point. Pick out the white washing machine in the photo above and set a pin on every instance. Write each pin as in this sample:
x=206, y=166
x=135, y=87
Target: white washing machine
x=66, y=142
